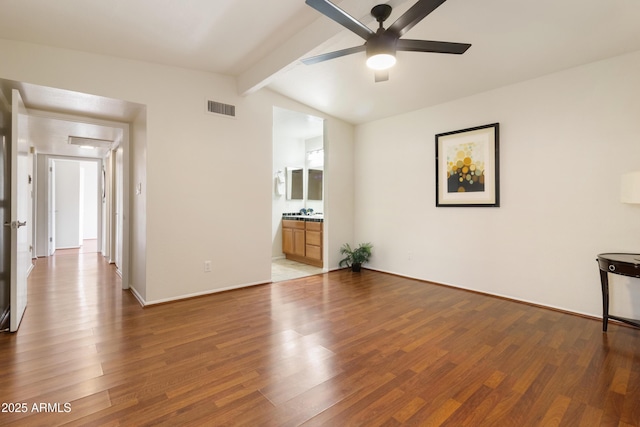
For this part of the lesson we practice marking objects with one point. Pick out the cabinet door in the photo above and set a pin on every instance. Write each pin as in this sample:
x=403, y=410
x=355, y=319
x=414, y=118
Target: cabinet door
x=314, y=252
x=287, y=240
x=298, y=242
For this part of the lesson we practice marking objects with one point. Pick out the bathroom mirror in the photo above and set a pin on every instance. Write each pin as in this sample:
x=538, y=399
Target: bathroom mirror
x=295, y=185
x=314, y=184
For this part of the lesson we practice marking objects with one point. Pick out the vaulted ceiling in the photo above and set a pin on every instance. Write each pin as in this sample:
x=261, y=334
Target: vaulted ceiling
x=261, y=43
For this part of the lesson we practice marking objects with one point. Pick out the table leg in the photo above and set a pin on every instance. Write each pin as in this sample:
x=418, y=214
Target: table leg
x=604, y=280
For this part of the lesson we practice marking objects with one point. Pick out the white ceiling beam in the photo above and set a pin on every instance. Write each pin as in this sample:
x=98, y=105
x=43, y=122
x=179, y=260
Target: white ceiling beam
x=288, y=54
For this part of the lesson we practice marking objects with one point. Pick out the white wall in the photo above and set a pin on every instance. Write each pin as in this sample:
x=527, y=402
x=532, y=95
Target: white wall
x=191, y=211
x=42, y=196
x=312, y=144
x=339, y=191
x=104, y=205
x=565, y=140
x=138, y=132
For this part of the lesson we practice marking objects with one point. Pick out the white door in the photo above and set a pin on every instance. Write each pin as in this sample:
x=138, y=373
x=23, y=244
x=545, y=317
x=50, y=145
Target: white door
x=52, y=207
x=20, y=254
x=119, y=217
x=67, y=204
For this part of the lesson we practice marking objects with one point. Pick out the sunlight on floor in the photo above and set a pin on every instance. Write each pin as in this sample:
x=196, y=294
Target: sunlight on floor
x=284, y=269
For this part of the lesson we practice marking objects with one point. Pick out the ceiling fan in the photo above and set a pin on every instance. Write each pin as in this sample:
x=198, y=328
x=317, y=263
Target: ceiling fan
x=381, y=45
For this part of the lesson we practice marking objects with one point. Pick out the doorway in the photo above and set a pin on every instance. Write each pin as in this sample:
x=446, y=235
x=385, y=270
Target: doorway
x=79, y=204
x=298, y=177
x=74, y=204
x=66, y=124
x=62, y=124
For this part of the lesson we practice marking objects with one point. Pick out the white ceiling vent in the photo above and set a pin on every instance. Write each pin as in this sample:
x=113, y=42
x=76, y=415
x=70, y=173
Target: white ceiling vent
x=221, y=109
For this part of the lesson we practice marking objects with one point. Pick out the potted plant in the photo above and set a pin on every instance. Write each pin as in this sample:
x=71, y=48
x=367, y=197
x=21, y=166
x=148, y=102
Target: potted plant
x=354, y=258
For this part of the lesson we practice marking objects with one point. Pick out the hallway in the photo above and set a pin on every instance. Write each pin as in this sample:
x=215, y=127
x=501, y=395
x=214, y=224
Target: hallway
x=75, y=304
x=71, y=290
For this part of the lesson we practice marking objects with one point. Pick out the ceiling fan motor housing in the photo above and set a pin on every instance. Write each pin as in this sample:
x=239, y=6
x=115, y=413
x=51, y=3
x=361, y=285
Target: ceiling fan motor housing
x=382, y=43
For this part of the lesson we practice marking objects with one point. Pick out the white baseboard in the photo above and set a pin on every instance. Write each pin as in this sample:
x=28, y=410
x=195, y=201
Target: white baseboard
x=195, y=294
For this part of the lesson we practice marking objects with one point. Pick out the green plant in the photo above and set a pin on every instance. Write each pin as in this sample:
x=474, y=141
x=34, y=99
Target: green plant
x=354, y=258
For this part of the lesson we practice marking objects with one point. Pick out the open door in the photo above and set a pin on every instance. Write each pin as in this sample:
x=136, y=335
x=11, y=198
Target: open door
x=20, y=199
x=52, y=208
x=118, y=214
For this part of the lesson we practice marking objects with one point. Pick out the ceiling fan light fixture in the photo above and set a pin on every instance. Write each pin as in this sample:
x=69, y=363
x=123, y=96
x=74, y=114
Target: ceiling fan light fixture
x=381, y=61
x=381, y=51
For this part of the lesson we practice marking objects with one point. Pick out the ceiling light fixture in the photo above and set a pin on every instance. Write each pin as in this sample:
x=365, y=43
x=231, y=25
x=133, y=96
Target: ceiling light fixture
x=89, y=142
x=381, y=61
x=381, y=47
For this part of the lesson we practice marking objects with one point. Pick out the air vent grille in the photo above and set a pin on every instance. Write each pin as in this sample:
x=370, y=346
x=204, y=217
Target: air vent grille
x=221, y=108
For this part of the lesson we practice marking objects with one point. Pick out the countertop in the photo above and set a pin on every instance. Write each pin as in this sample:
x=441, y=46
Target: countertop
x=300, y=217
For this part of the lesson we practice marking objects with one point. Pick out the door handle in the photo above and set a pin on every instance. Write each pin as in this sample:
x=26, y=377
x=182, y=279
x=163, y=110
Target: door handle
x=15, y=224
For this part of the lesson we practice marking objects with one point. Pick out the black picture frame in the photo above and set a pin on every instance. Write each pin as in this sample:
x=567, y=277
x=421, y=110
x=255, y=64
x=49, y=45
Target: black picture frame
x=467, y=167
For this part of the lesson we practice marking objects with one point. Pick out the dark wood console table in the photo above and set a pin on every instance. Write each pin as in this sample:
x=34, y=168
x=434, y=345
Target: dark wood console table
x=625, y=265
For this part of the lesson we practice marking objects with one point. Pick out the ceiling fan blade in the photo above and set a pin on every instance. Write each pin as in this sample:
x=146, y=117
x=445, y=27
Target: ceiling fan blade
x=333, y=12
x=332, y=55
x=381, y=75
x=432, y=46
x=415, y=14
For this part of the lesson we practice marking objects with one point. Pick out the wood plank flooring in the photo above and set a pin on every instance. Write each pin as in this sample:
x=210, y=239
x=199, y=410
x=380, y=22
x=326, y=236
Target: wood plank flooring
x=339, y=349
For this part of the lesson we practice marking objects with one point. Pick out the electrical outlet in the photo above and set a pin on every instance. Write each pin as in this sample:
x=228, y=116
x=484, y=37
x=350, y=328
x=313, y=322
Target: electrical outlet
x=409, y=256
x=207, y=266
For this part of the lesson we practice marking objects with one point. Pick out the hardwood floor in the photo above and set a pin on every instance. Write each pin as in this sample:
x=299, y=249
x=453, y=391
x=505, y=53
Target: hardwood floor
x=338, y=349
x=88, y=245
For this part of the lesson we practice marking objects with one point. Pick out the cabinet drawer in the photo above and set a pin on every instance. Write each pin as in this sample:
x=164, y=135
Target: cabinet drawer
x=617, y=267
x=314, y=226
x=288, y=223
x=314, y=252
x=314, y=238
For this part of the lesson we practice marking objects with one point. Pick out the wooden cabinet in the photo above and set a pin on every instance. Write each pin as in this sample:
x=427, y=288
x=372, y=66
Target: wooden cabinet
x=293, y=237
x=313, y=240
x=302, y=241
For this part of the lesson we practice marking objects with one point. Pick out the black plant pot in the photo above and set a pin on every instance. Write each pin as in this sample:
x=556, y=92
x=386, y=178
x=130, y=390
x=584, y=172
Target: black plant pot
x=356, y=267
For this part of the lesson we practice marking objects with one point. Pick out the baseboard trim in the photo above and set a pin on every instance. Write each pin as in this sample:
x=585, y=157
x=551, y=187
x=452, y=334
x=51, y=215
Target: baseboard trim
x=196, y=294
x=504, y=297
x=137, y=296
x=30, y=269
x=448, y=285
